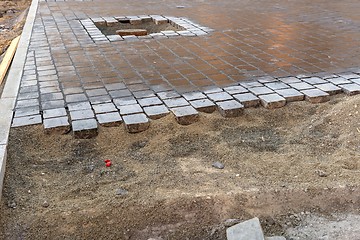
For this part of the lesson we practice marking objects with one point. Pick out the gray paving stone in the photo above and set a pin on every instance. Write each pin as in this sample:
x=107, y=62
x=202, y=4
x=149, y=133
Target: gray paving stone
x=27, y=103
x=151, y=101
x=272, y=101
x=56, y=112
x=314, y=80
x=235, y=90
x=329, y=88
x=111, y=119
x=194, y=96
x=251, y=84
x=81, y=114
x=338, y=80
x=348, y=75
x=28, y=95
x=144, y=94
x=301, y=86
x=115, y=86
x=135, y=123
x=288, y=80
x=291, y=95
x=100, y=99
x=79, y=97
x=79, y=106
x=124, y=101
x=185, y=115
x=250, y=229
x=120, y=93
x=247, y=99
x=104, y=108
x=72, y=90
x=350, y=89
x=96, y=92
x=168, y=95
x=211, y=89
x=85, y=129
x=316, y=95
x=52, y=96
x=266, y=79
x=27, y=120
x=130, y=109
x=175, y=102
x=230, y=108
x=260, y=90
x=52, y=104
x=356, y=80
x=276, y=85
x=156, y=112
x=58, y=125
x=22, y=112
x=219, y=96
x=203, y=105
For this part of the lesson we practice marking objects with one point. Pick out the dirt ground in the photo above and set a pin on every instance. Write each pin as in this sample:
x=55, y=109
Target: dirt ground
x=283, y=165
x=12, y=19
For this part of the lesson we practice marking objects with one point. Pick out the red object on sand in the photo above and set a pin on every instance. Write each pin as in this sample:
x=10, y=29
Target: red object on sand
x=107, y=163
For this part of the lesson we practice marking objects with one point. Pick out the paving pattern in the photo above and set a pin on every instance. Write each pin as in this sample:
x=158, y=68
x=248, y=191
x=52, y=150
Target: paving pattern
x=232, y=55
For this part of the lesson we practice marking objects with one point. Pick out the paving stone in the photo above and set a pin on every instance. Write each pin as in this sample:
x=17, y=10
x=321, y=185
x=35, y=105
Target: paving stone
x=211, y=89
x=144, y=94
x=135, y=123
x=193, y=96
x=111, y=119
x=58, y=125
x=329, y=88
x=151, y=101
x=79, y=106
x=314, y=80
x=52, y=104
x=27, y=120
x=28, y=95
x=251, y=84
x=316, y=95
x=130, y=109
x=260, y=90
x=175, y=102
x=85, y=129
x=124, y=101
x=22, y=112
x=120, y=93
x=100, y=99
x=81, y=114
x=356, y=80
x=80, y=97
x=291, y=95
x=338, y=80
x=168, y=95
x=288, y=80
x=156, y=112
x=104, y=108
x=272, y=101
x=185, y=115
x=115, y=86
x=219, y=96
x=235, y=90
x=348, y=75
x=56, y=112
x=276, y=85
x=301, y=86
x=275, y=238
x=350, y=89
x=96, y=92
x=266, y=79
x=27, y=103
x=230, y=108
x=52, y=96
x=247, y=99
x=250, y=229
x=203, y=105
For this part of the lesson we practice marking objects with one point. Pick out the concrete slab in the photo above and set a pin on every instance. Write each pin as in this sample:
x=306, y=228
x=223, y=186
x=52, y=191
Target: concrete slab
x=250, y=229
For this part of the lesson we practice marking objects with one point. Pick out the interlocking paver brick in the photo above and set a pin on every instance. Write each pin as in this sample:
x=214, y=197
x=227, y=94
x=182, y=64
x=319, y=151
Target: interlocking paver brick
x=80, y=97
x=175, y=102
x=329, y=88
x=81, y=114
x=288, y=80
x=290, y=94
x=51, y=96
x=56, y=112
x=356, y=80
x=96, y=92
x=211, y=89
x=230, y=108
x=85, y=129
x=156, y=112
x=130, y=109
x=348, y=75
x=276, y=85
x=100, y=99
x=194, y=96
x=52, y=104
x=124, y=101
x=22, y=112
x=260, y=90
x=185, y=115
x=203, y=105
x=235, y=90
x=59, y=125
x=316, y=95
x=27, y=120
x=301, y=86
x=79, y=106
x=168, y=95
x=219, y=96
x=272, y=101
x=27, y=103
x=135, y=123
x=350, y=89
x=251, y=84
x=151, y=101
x=247, y=99
x=314, y=80
x=338, y=80
x=110, y=119
x=104, y=108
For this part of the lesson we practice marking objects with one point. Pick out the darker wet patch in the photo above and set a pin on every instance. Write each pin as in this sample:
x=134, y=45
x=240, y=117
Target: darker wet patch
x=188, y=144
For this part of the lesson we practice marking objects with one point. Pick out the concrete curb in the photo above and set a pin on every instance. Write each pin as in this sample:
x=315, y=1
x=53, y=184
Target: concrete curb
x=11, y=88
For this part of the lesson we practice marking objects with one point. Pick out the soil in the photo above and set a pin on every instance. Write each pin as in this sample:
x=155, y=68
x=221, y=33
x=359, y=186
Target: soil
x=12, y=19
x=283, y=166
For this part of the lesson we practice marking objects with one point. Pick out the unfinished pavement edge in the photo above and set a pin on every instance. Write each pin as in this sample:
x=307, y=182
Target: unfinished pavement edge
x=11, y=88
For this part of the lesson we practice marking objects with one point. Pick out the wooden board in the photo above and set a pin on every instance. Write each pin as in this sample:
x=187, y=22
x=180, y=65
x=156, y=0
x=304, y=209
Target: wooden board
x=10, y=52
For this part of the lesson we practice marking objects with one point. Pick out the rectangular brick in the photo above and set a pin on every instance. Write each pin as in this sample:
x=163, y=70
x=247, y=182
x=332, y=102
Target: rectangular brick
x=230, y=108
x=290, y=94
x=329, y=88
x=82, y=114
x=185, y=115
x=135, y=123
x=272, y=101
x=247, y=99
x=130, y=109
x=27, y=120
x=316, y=95
x=85, y=128
x=350, y=89
x=104, y=108
x=175, y=102
x=111, y=119
x=57, y=125
x=156, y=112
x=57, y=112
x=260, y=90
x=203, y=105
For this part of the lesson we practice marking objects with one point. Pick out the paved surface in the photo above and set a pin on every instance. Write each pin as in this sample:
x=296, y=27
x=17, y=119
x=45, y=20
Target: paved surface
x=76, y=78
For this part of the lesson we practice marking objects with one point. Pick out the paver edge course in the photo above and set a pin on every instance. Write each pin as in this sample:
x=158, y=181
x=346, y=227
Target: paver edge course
x=11, y=88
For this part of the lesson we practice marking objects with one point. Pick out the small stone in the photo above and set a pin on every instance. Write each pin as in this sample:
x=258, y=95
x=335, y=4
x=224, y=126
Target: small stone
x=250, y=229
x=121, y=192
x=321, y=173
x=218, y=165
x=45, y=204
x=12, y=205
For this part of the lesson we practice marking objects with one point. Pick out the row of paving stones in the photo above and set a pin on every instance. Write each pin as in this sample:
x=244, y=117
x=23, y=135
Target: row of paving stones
x=82, y=112
x=185, y=27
